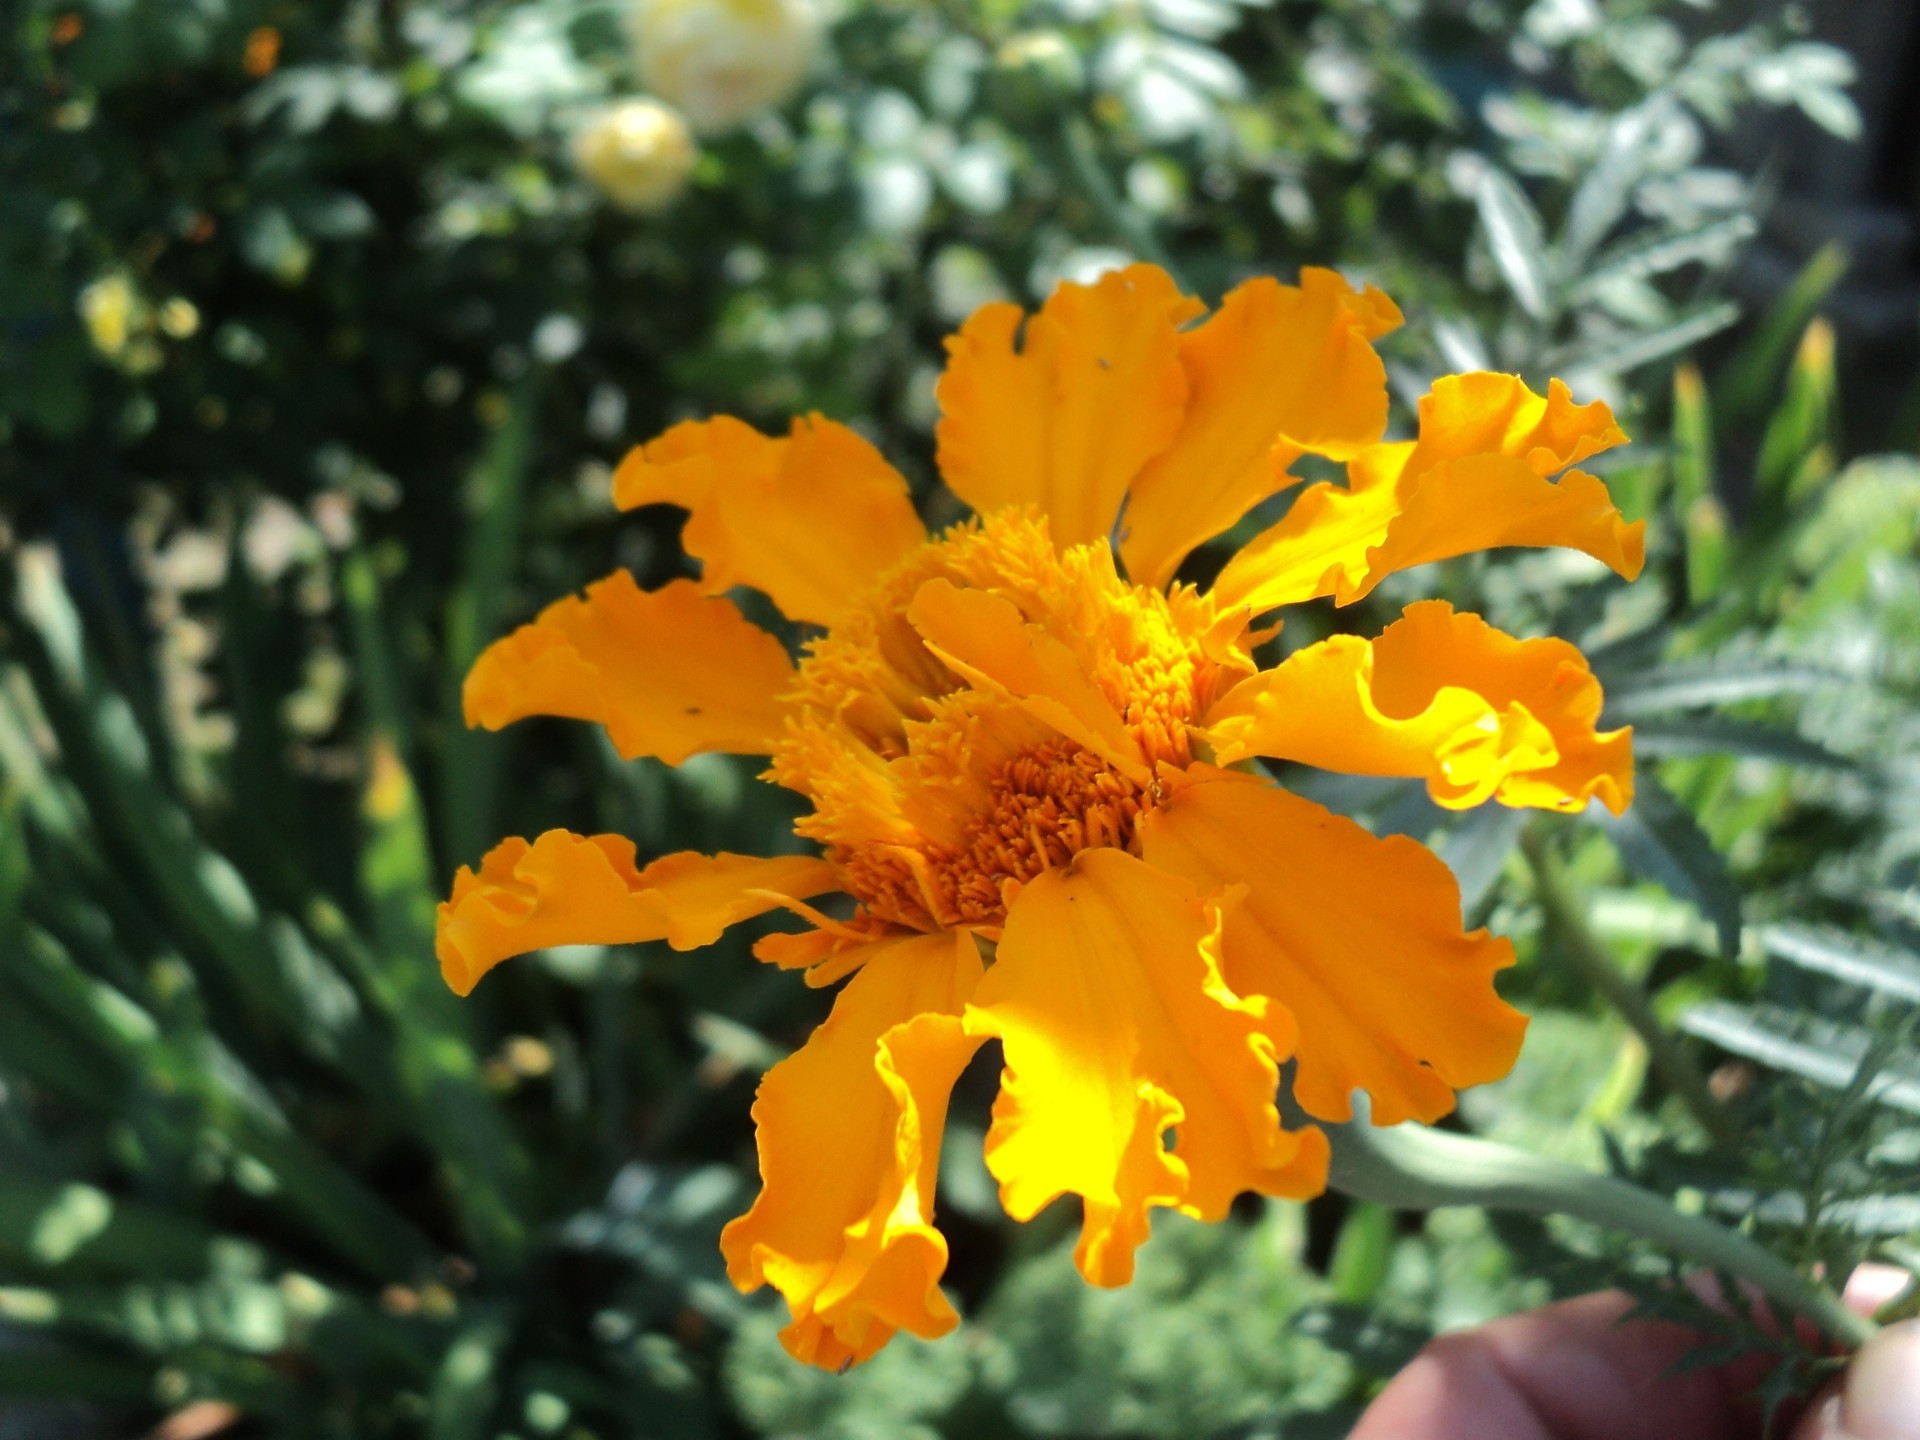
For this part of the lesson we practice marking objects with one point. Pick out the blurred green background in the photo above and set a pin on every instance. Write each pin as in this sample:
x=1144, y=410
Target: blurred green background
x=321, y=326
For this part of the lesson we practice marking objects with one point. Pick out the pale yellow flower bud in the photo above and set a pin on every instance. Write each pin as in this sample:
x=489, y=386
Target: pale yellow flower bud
x=180, y=318
x=107, y=308
x=724, y=61
x=637, y=152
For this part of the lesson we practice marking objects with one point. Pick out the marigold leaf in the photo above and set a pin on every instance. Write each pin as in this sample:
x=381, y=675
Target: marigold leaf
x=1659, y=839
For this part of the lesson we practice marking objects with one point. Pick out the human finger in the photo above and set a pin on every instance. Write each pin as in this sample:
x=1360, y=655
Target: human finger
x=1879, y=1398
x=1569, y=1371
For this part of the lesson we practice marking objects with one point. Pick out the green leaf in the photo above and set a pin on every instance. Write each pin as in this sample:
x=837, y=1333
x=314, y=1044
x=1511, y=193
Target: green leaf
x=1361, y=1254
x=1660, y=840
x=1708, y=548
x=1630, y=352
x=467, y=1387
x=1646, y=256
x=1745, y=394
x=1799, y=424
x=1476, y=850
x=1846, y=957
x=53, y=1224
x=1722, y=680
x=1801, y=1044
x=1517, y=239
x=69, y=1374
x=1662, y=735
x=1605, y=191
x=449, y=1106
x=471, y=760
x=269, y=809
x=96, y=1046
x=206, y=901
x=1693, y=478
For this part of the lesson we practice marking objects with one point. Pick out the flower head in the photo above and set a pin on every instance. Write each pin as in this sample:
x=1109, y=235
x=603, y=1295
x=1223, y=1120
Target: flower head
x=637, y=153
x=725, y=61
x=1019, y=742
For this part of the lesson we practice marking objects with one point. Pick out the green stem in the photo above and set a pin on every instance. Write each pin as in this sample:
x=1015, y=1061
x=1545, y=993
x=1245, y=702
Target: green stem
x=1412, y=1167
x=1578, y=942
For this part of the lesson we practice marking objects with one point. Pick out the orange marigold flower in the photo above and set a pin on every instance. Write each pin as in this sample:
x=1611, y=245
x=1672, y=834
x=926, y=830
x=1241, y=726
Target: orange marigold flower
x=1016, y=740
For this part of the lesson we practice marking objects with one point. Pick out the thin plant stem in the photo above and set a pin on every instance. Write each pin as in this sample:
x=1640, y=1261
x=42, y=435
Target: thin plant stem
x=1412, y=1167
x=1579, y=944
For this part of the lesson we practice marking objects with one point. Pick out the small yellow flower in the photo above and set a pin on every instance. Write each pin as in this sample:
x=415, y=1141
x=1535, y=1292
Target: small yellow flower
x=180, y=318
x=109, y=307
x=638, y=153
x=725, y=61
x=1014, y=739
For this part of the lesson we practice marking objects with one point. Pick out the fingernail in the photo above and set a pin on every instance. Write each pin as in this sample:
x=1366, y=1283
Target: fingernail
x=1881, y=1400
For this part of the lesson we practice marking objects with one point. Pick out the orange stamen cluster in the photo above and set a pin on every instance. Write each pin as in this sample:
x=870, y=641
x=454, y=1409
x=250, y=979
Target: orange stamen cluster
x=937, y=799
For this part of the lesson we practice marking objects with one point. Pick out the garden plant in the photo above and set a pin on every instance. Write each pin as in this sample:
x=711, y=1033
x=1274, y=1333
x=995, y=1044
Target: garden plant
x=759, y=717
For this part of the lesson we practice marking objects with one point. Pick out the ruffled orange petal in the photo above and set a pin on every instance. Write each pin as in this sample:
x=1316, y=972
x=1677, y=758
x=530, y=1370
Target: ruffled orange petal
x=1065, y=421
x=669, y=672
x=1476, y=479
x=1485, y=413
x=849, y=1130
x=832, y=950
x=567, y=889
x=811, y=518
x=986, y=639
x=1135, y=1077
x=1278, y=371
x=1443, y=697
x=1359, y=937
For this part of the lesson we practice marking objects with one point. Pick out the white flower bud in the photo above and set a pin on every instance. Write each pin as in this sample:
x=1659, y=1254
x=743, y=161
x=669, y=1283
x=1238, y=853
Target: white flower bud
x=724, y=61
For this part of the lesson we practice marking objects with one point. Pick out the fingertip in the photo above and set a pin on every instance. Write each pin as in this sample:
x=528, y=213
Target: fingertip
x=1881, y=1396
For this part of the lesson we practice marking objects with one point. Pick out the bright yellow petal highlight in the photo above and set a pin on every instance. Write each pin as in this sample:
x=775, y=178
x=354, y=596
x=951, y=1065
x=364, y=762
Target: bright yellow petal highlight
x=1064, y=422
x=1278, y=371
x=1485, y=413
x=1359, y=937
x=567, y=889
x=812, y=518
x=1117, y=1028
x=1476, y=479
x=1442, y=697
x=849, y=1131
x=984, y=638
x=669, y=672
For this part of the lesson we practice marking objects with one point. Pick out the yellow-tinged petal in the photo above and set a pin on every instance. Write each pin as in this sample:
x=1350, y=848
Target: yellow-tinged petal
x=1278, y=371
x=849, y=1131
x=1443, y=697
x=1485, y=413
x=811, y=518
x=986, y=639
x=1064, y=422
x=1359, y=937
x=1116, y=1026
x=567, y=889
x=669, y=672
x=1476, y=479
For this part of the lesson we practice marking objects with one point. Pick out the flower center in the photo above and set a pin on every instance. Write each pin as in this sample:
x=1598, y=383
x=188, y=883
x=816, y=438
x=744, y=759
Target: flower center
x=939, y=794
